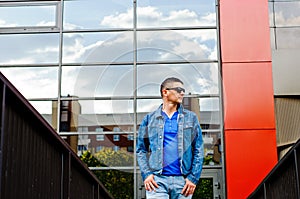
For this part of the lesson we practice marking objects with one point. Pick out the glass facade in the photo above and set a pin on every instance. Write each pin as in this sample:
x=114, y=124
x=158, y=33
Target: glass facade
x=93, y=70
x=285, y=43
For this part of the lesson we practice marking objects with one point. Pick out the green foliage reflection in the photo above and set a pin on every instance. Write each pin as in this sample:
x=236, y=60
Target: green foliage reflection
x=204, y=189
x=118, y=183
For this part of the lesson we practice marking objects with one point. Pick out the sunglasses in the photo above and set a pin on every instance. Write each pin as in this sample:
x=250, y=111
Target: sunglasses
x=177, y=89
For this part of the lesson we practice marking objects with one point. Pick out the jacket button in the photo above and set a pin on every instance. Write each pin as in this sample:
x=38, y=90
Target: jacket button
x=160, y=136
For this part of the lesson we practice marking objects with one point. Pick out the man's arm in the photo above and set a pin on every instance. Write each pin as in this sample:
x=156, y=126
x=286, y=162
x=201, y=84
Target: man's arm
x=198, y=153
x=142, y=149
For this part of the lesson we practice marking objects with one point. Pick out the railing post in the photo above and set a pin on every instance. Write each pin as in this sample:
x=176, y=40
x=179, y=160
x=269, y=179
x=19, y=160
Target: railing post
x=2, y=103
x=297, y=160
x=66, y=175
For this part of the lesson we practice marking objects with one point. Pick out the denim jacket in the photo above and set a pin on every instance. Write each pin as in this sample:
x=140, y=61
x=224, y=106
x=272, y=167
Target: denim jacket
x=149, y=148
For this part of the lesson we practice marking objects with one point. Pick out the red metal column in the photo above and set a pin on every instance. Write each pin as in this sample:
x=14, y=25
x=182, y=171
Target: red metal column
x=250, y=136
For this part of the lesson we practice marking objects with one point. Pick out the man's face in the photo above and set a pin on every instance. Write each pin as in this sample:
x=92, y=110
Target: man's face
x=174, y=92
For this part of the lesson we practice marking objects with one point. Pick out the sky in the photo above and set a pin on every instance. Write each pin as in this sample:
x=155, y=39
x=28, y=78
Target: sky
x=85, y=48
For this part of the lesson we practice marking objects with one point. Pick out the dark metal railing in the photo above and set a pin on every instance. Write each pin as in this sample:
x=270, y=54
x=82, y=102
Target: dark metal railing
x=34, y=161
x=283, y=180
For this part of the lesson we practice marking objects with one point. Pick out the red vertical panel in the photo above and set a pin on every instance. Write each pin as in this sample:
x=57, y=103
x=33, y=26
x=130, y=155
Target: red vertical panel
x=249, y=156
x=244, y=26
x=248, y=94
x=250, y=137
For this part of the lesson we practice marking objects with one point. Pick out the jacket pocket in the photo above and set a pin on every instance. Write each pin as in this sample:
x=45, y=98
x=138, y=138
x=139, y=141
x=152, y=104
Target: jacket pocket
x=188, y=129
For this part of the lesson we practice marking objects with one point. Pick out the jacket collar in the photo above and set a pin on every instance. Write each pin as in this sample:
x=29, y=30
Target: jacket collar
x=158, y=112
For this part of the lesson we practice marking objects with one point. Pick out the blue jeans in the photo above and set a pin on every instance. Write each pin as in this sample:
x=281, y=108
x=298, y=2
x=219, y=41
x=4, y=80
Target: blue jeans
x=170, y=187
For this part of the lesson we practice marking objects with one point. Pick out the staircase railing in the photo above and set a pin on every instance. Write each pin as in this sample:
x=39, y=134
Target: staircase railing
x=283, y=181
x=34, y=161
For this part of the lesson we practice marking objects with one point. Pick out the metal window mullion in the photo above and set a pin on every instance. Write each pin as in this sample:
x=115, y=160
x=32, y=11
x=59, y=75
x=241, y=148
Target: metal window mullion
x=98, y=133
x=60, y=19
x=200, y=61
x=97, y=64
x=274, y=22
x=221, y=105
x=178, y=28
x=135, y=183
x=123, y=97
x=122, y=132
x=140, y=29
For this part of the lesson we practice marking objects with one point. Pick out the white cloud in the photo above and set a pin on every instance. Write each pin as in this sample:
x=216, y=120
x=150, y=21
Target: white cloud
x=45, y=23
x=33, y=83
x=281, y=18
x=46, y=49
x=287, y=13
x=151, y=16
x=119, y=20
x=4, y=24
x=22, y=60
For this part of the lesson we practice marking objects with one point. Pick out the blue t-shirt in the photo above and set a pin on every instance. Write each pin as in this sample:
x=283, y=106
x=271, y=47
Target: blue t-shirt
x=171, y=162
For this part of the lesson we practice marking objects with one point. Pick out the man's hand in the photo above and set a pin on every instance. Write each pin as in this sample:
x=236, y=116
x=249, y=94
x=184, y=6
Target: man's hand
x=150, y=184
x=188, y=188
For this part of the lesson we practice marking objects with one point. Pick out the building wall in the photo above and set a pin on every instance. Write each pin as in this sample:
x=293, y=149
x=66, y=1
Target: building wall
x=285, y=44
x=249, y=126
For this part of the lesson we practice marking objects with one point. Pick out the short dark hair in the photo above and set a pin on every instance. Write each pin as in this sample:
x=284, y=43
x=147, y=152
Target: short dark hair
x=167, y=81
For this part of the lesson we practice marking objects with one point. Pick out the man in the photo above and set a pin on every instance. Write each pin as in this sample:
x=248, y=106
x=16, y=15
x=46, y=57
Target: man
x=170, y=146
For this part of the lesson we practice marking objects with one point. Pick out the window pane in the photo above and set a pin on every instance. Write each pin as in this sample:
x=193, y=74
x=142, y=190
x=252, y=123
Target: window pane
x=288, y=38
x=34, y=82
x=97, y=81
x=178, y=13
x=271, y=13
x=99, y=129
x=100, y=148
x=99, y=137
x=44, y=108
x=85, y=14
x=286, y=70
x=117, y=111
x=210, y=104
x=116, y=138
x=29, y=49
x=98, y=47
x=36, y=15
x=287, y=13
x=177, y=45
x=197, y=78
x=99, y=144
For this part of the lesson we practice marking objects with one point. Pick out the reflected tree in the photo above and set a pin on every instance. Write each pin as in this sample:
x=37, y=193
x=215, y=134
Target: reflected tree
x=118, y=183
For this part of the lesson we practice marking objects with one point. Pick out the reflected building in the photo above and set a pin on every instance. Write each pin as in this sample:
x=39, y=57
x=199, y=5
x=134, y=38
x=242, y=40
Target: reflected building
x=69, y=112
x=115, y=131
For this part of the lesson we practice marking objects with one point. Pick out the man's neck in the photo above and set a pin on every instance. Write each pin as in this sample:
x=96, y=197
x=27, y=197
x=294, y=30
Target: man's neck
x=169, y=108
